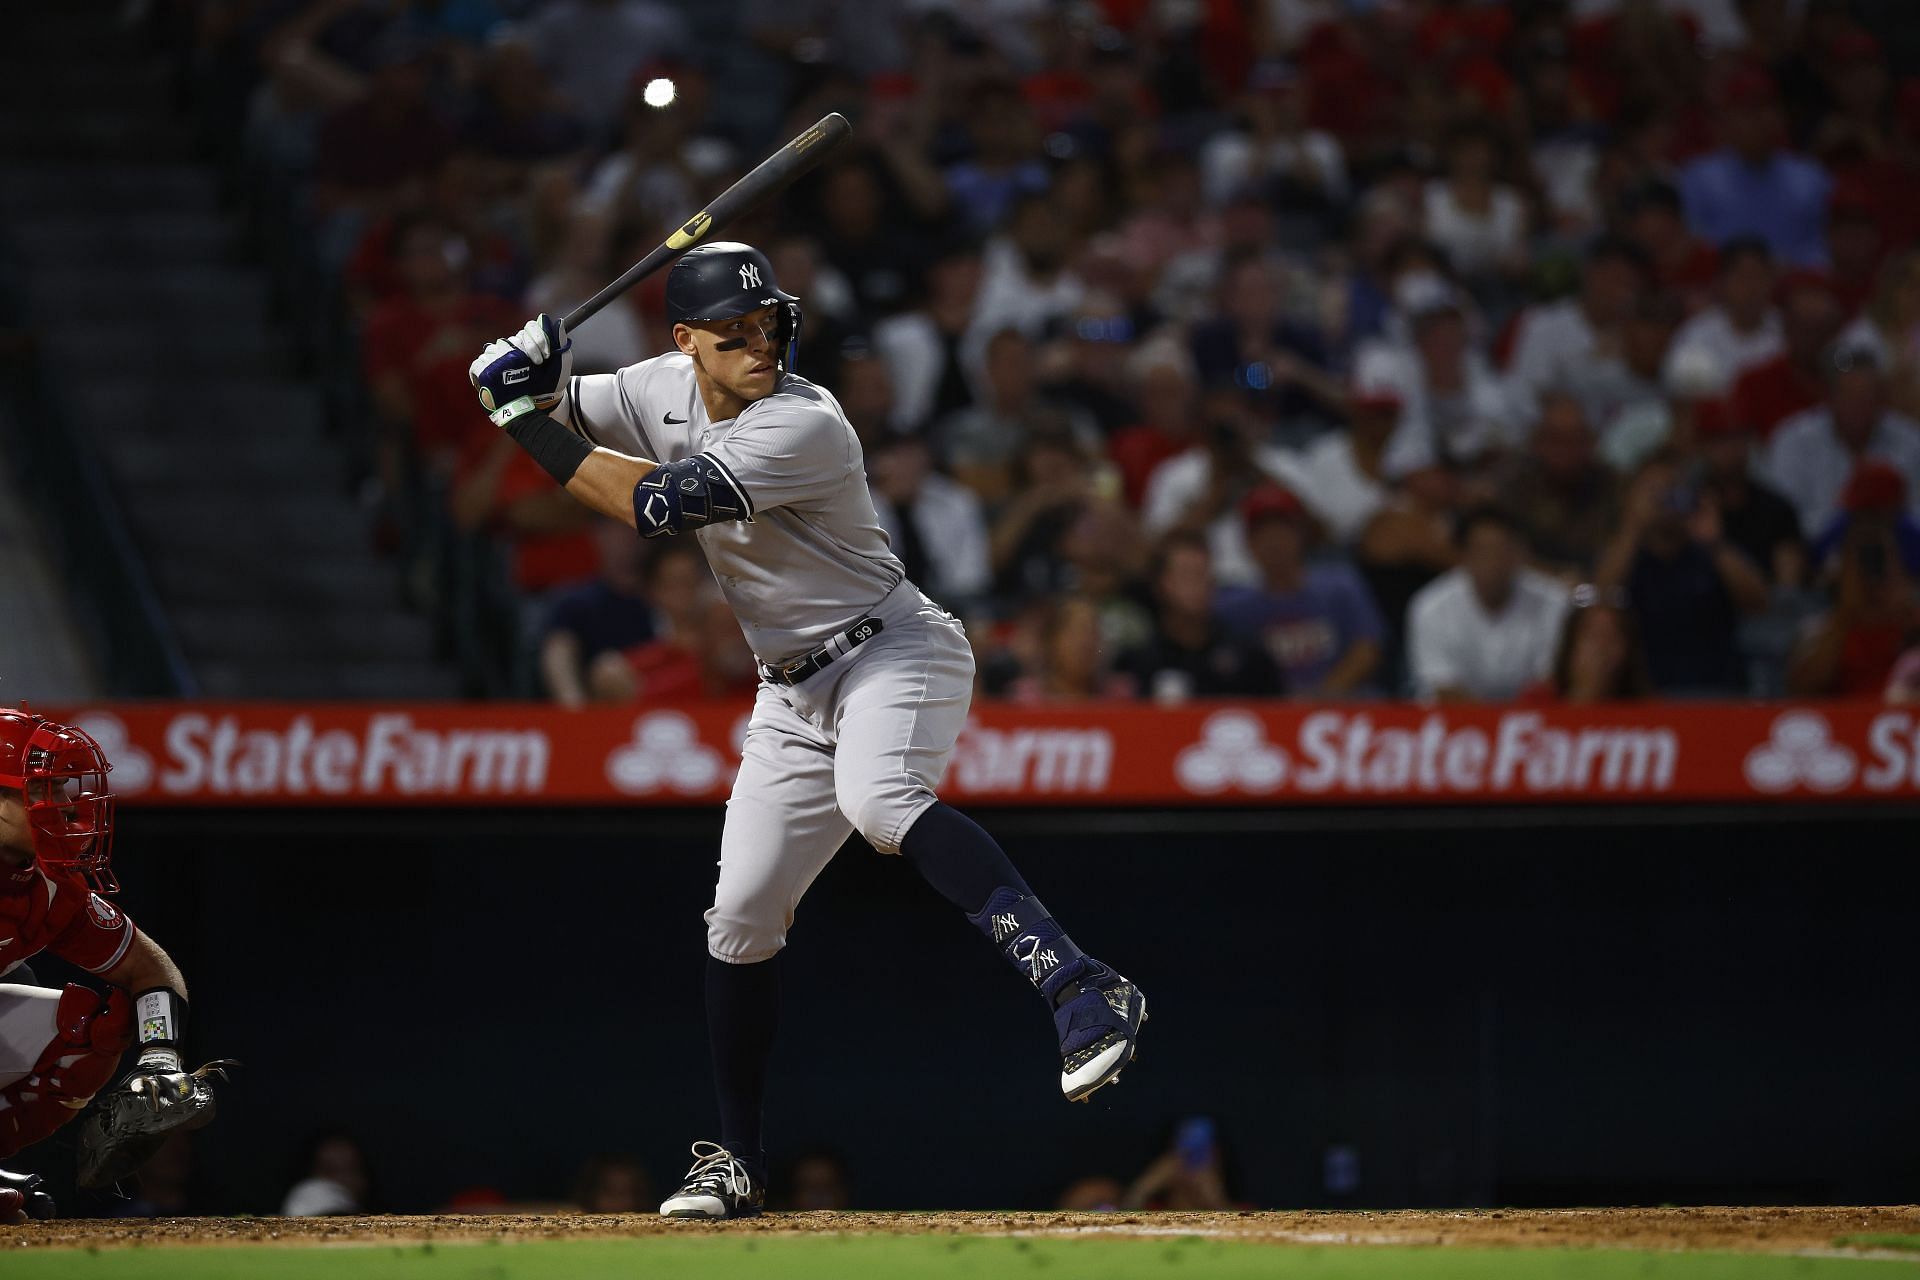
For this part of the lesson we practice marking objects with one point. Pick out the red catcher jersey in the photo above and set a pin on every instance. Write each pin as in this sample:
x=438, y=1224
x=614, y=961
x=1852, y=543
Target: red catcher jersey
x=41, y=912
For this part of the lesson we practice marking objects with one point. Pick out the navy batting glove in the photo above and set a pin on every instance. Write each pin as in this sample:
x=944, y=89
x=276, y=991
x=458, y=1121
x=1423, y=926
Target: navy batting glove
x=524, y=373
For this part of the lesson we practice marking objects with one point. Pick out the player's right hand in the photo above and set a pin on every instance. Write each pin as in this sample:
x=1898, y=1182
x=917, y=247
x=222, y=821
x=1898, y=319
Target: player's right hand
x=524, y=373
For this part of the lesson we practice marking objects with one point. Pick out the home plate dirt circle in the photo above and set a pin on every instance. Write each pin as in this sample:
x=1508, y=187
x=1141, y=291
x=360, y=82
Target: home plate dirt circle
x=1767, y=1230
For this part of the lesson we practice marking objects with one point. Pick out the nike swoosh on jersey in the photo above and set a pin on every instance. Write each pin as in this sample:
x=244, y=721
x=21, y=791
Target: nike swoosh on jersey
x=674, y=422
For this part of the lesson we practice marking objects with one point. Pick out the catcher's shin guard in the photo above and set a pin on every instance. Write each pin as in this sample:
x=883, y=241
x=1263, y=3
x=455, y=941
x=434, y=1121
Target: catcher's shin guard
x=91, y=1031
x=21, y=1196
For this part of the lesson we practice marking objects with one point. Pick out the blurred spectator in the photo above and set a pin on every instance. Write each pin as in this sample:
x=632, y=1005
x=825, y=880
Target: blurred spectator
x=1485, y=630
x=1003, y=161
x=611, y=1183
x=1754, y=517
x=817, y=1182
x=1188, y=1176
x=1600, y=657
x=1270, y=149
x=334, y=1181
x=1315, y=620
x=1201, y=489
x=1851, y=651
x=1681, y=263
x=609, y=615
x=1813, y=453
x=1097, y=1194
x=935, y=525
x=1249, y=342
x=1455, y=413
x=417, y=345
x=1560, y=493
x=1792, y=380
x=1856, y=251
x=980, y=444
x=517, y=118
x=1160, y=372
x=1753, y=185
x=1890, y=329
x=501, y=488
x=1072, y=661
x=1055, y=482
x=1688, y=583
x=382, y=147
x=1571, y=343
x=698, y=651
x=618, y=335
x=924, y=348
x=1191, y=653
x=1478, y=220
x=664, y=159
x=590, y=49
x=1344, y=472
x=1026, y=282
x=1874, y=492
x=1632, y=402
x=1741, y=330
x=1086, y=364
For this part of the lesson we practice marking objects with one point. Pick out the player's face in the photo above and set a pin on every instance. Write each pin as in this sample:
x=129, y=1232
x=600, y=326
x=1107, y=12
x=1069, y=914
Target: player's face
x=16, y=837
x=737, y=354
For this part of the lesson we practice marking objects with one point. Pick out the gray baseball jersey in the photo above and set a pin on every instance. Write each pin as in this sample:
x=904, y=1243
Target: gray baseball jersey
x=861, y=744
x=811, y=559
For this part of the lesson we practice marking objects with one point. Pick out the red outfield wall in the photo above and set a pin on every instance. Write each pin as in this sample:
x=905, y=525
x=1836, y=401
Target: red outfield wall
x=221, y=754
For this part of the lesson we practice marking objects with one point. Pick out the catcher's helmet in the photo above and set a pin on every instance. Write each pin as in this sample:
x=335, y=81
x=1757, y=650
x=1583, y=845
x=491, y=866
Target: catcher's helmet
x=61, y=775
x=725, y=279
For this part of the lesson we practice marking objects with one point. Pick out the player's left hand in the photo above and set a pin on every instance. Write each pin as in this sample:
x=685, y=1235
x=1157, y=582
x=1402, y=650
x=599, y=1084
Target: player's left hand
x=524, y=373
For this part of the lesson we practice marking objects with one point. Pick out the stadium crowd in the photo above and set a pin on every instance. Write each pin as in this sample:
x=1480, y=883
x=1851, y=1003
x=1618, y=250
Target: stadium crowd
x=1563, y=349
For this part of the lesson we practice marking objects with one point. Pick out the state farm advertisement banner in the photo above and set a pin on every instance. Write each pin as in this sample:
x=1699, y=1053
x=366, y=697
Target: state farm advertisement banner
x=1283, y=754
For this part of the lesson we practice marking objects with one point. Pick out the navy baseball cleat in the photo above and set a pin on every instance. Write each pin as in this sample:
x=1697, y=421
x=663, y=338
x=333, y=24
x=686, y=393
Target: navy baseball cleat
x=1098, y=1014
x=718, y=1186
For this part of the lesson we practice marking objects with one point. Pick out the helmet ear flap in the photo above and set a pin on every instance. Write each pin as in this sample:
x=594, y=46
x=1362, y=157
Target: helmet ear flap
x=787, y=335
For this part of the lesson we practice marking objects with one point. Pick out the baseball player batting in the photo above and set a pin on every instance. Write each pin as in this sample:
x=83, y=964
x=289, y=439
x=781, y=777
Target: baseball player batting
x=59, y=1048
x=864, y=683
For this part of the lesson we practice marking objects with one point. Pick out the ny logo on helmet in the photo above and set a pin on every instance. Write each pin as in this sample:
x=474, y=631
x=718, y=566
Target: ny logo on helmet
x=749, y=276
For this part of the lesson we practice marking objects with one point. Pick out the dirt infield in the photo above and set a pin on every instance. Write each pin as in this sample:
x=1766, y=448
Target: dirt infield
x=1774, y=1230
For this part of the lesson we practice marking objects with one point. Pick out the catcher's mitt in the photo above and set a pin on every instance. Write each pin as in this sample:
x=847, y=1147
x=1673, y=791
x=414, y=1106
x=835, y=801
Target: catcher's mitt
x=124, y=1127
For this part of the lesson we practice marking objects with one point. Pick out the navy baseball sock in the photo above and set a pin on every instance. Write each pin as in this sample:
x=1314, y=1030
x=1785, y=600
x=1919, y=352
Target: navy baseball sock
x=972, y=871
x=957, y=857
x=743, y=1003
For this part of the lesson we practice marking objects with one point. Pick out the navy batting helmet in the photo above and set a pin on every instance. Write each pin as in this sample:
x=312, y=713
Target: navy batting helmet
x=725, y=279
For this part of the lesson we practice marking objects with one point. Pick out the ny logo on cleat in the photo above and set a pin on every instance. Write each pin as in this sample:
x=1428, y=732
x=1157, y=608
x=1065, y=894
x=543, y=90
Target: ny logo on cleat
x=749, y=276
x=1003, y=926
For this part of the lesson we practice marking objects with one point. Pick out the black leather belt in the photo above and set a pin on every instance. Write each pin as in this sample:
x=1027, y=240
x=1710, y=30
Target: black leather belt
x=838, y=647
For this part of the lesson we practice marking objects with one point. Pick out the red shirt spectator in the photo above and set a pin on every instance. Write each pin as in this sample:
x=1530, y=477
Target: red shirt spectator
x=1771, y=392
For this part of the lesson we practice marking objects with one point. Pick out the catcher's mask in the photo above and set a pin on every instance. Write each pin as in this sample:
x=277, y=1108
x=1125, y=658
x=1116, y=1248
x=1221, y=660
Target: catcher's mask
x=61, y=775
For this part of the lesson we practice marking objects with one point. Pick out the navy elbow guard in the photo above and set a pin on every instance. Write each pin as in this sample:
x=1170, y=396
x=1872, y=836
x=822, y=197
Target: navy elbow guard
x=677, y=497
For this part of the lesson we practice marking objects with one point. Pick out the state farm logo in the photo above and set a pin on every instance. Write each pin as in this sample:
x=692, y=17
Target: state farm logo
x=1801, y=751
x=666, y=752
x=1044, y=760
x=1233, y=752
x=132, y=767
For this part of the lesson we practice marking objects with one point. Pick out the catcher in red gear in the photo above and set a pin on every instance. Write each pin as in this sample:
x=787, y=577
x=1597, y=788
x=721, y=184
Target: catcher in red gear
x=60, y=1048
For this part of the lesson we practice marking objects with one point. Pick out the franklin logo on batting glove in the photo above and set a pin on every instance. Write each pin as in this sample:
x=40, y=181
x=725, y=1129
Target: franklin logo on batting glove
x=525, y=373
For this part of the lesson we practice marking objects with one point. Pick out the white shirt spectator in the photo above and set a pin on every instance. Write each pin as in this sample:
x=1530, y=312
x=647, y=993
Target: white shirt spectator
x=953, y=530
x=1719, y=20
x=1456, y=426
x=1339, y=494
x=1454, y=643
x=1476, y=243
x=1182, y=480
x=1809, y=465
x=1229, y=161
x=1009, y=298
x=1556, y=349
x=1710, y=340
x=916, y=353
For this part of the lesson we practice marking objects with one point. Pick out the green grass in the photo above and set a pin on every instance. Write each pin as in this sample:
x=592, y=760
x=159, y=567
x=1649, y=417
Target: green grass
x=825, y=1257
x=1880, y=1242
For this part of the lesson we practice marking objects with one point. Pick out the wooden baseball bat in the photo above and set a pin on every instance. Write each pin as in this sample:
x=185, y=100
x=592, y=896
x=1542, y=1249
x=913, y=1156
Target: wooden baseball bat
x=769, y=176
